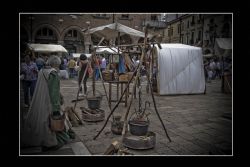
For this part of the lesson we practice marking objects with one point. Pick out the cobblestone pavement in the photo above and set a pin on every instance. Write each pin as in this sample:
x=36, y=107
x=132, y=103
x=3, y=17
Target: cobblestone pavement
x=197, y=124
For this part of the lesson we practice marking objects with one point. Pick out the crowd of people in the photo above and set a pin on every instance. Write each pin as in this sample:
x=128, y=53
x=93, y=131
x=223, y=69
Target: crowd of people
x=214, y=68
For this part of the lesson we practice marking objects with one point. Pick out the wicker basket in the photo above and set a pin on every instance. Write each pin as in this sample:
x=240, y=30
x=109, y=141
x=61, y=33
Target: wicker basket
x=57, y=125
x=123, y=77
x=107, y=76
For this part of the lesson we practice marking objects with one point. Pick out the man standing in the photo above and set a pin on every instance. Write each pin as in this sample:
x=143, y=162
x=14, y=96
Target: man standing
x=30, y=71
x=71, y=66
x=103, y=64
x=83, y=64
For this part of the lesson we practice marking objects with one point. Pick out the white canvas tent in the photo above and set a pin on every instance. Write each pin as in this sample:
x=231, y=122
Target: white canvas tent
x=110, y=31
x=46, y=48
x=180, y=69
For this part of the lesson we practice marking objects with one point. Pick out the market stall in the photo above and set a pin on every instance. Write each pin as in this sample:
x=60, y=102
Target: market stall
x=178, y=69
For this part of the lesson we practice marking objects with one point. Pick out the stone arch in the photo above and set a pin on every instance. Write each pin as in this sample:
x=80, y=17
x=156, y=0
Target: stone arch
x=50, y=26
x=74, y=44
x=79, y=29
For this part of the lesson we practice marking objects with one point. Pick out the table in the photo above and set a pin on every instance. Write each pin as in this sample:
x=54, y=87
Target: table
x=118, y=83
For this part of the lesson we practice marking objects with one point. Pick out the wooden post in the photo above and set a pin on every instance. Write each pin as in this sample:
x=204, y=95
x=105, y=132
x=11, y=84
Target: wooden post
x=94, y=61
x=80, y=86
x=94, y=73
x=136, y=78
x=118, y=42
x=113, y=148
x=117, y=90
x=110, y=94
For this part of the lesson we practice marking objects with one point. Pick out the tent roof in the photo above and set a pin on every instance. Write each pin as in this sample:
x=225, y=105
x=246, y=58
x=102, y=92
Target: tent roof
x=224, y=43
x=177, y=45
x=47, y=48
x=107, y=50
x=76, y=55
x=110, y=31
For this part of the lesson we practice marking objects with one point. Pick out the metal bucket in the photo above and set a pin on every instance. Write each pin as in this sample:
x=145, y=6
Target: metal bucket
x=116, y=127
x=94, y=102
x=138, y=128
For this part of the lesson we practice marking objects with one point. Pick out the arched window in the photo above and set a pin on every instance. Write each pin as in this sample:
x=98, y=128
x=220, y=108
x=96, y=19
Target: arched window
x=45, y=32
x=71, y=34
x=74, y=41
x=45, y=35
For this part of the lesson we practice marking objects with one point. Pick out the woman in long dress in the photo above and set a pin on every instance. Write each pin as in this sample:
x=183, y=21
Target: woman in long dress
x=46, y=101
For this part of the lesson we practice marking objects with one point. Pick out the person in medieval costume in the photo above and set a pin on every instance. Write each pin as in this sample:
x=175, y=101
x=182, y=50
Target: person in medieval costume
x=47, y=100
x=83, y=64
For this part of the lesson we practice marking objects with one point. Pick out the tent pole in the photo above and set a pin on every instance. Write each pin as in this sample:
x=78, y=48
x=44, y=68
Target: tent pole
x=94, y=61
x=84, y=75
x=125, y=124
x=118, y=42
x=127, y=45
x=151, y=89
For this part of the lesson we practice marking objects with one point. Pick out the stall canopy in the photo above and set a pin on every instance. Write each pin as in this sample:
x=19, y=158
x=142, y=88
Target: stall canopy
x=223, y=46
x=180, y=69
x=77, y=55
x=224, y=43
x=47, y=48
x=106, y=50
x=110, y=31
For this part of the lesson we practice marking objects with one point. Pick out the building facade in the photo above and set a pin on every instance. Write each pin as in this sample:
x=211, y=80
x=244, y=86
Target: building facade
x=198, y=29
x=69, y=29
